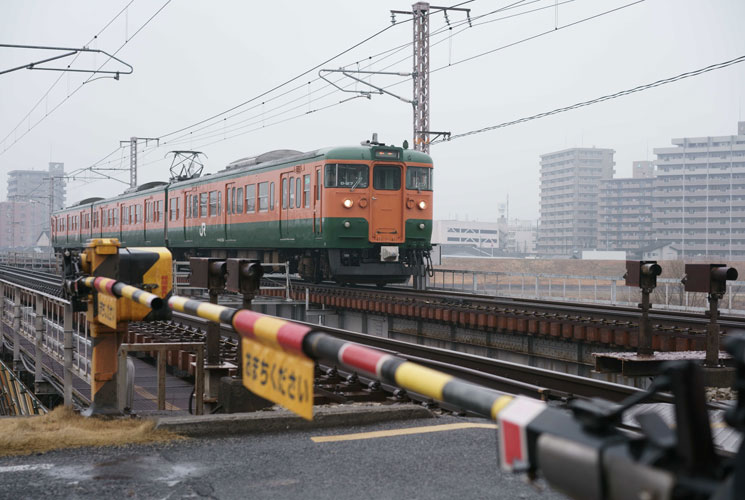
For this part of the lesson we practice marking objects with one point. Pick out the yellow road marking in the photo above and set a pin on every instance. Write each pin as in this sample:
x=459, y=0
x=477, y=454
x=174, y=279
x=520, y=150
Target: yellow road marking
x=148, y=395
x=401, y=432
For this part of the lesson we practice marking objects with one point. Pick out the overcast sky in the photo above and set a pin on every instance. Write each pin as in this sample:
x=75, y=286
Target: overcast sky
x=195, y=59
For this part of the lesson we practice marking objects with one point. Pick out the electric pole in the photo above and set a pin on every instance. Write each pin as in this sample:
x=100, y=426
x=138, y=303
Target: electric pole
x=421, y=76
x=133, y=156
x=421, y=12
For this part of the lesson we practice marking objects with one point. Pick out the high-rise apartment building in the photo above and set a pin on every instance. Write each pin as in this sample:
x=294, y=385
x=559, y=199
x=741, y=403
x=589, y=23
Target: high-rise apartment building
x=18, y=224
x=33, y=187
x=625, y=211
x=699, y=196
x=569, y=199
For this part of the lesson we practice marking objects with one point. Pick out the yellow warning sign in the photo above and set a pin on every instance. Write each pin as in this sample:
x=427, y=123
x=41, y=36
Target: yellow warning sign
x=286, y=379
x=107, y=310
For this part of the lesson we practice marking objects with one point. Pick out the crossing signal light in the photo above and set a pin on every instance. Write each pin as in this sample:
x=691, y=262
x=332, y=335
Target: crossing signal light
x=642, y=273
x=708, y=278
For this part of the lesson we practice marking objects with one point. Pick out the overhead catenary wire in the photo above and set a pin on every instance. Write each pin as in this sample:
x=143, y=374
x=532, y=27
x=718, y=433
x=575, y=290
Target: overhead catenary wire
x=300, y=75
x=89, y=79
x=189, y=138
x=59, y=77
x=608, y=97
x=250, y=121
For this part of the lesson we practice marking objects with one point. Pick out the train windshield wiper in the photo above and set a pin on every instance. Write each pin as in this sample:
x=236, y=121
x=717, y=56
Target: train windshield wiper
x=356, y=183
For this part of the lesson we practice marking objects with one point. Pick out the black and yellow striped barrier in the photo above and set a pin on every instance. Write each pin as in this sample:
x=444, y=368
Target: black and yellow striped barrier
x=296, y=339
x=118, y=289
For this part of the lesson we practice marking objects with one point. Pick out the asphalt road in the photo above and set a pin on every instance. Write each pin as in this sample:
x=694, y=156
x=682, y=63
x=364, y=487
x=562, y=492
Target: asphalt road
x=451, y=463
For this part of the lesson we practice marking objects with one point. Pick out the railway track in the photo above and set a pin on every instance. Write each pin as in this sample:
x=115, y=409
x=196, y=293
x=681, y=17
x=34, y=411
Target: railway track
x=497, y=374
x=48, y=283
x=683, y=319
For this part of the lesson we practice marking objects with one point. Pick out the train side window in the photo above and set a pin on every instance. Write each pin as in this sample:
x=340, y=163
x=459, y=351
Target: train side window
x=187, y=208
x=298, y=191
x=318, y=184
x=284, y=193
x=202, y=204
x=306, y=191
x=235, y=202
x=263, y=196
x=213, y=204
x=239, y=201
x=271, y=196
x=292, y=192
x=250, y=198
x=195, y=206
x=219, y=202
x=228, y=201
x=138, y=213
x=159, y=211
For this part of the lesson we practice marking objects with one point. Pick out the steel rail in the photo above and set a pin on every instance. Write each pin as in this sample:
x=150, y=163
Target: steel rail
x=499, y=375
x=462, y=299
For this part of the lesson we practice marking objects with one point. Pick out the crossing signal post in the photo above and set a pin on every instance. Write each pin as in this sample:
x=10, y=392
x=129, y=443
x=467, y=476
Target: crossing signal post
x=125, y=284
x=210, y=273
x=643, y=273
x=712, y=280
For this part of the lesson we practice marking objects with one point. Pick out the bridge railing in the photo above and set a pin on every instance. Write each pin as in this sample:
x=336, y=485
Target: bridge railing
x=669, y=294
x=34, y=325
x=30, y=260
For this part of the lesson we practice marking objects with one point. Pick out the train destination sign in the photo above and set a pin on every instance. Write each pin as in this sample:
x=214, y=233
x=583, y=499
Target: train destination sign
x=279, y=376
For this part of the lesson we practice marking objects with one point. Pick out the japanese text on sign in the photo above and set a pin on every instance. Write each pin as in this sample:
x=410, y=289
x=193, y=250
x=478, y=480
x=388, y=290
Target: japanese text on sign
x=107, y=310
x=281, y=377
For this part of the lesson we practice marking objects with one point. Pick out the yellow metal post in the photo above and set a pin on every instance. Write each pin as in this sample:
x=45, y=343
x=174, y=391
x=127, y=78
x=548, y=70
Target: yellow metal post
x=101, y=258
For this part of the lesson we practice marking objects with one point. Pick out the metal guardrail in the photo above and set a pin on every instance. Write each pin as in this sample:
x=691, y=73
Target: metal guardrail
x=30, y=260
x=670, y=293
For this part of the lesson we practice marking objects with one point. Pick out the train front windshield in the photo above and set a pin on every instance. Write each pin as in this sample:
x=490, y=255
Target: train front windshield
x=419, y=178
x=347, y=175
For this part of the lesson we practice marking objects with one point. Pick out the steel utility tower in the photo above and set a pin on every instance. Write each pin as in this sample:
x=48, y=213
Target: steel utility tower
x=421, y=12
x=133, y=156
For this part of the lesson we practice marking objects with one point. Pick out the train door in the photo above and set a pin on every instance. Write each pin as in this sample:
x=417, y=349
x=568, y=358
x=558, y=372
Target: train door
x=147, y=220
x=234, y=210
x=285, y=206
x=122, y=212
x=317, y=200
x=186, y=203
x=387, y=203
x=226, y=216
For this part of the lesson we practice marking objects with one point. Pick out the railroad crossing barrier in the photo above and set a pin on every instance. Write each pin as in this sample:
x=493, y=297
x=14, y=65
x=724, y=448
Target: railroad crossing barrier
x=117, y=303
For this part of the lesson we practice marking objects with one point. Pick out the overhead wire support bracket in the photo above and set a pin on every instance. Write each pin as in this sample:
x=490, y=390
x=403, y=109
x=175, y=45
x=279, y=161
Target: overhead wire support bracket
x=445, y=135
x=378, y=90
x=69, y=51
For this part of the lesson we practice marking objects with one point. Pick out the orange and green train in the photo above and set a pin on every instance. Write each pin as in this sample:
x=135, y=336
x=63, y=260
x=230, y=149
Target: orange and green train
x=360, y=214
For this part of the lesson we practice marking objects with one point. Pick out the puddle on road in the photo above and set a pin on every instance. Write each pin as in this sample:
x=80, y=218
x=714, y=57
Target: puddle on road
x=145, y=468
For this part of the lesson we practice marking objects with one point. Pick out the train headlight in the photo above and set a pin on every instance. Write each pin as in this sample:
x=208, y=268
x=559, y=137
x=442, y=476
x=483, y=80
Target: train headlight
x=348, y=203
x=422, y=205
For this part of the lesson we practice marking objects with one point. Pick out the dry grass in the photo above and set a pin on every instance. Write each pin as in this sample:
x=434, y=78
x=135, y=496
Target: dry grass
x=63, y=428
